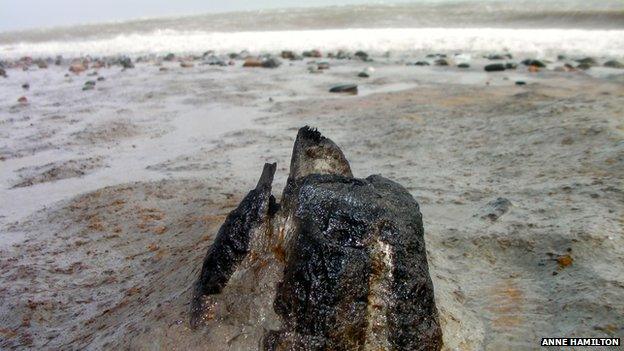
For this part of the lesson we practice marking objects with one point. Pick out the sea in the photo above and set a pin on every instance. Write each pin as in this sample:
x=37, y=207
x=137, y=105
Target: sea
x=541, y=28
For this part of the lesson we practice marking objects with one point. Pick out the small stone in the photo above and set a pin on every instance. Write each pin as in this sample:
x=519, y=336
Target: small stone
x=89, y=82
x=495, y=209
x=590, y=61
x=170, y=57
x=463, y=65
x=185, y=64
x=614, y=64
x=323, y=65
x=564, y=261
x=441, y=62
x=421, y=63
x=77, y=67
x=363, y=74
x=25, y=86
x=252, y=62
x=520, y=82
x=100, y=79
x=3, y=73
x=345, y=88
x=126, y=62
x=494, y=67
x=531, y=62
x=271, y=63
x=88, y=87
x=22, y=100
x=312, y=53
x=361, y=55
x=288, y=55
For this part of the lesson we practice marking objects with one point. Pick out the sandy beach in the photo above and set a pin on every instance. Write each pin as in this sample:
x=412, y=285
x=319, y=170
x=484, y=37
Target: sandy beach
x=111, y=196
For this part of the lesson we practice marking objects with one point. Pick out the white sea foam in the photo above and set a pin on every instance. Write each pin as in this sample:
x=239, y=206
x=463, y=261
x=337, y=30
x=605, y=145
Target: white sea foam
x=538, y=42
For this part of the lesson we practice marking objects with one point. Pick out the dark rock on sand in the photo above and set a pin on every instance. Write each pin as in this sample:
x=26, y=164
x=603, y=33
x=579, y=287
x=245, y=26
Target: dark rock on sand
x=614, y=64
x=312, y=53
x=589, y=61
x=22, y=100
x=441, y=62
x=25, y=86
x=520, y=82
x=494, y=67
x=266, y=63
x=323, y=65
x=532, y=62
x=271, y=62
x=361, y=55
x=492, y=57
x=348, y=257
x=100, y=79
x=288, y=55
x=344, y=88
x=169, y=57
x=463, y=65
x=89, y=82
x=126, y=62
x=187, y=64
x=421, y=63
x=3, y=73
x=363, y=74
x=493, y=210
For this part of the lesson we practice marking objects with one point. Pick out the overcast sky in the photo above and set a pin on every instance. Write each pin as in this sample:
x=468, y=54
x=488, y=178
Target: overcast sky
x=22, y=14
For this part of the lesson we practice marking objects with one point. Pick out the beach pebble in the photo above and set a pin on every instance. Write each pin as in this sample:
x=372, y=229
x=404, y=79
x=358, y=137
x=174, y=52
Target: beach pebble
x=126, y=62
x=88, y=87
x=536, y=63
x=588, y=61
x=323, y=65
x=25, y=86
x=463, y=65
x=185, y=64
x=3, y=73
x=345, y=88
x=498, y=56
x=363, y=74
x=77, y=67
x=89, y=82
x=22, y=100
x=170, y=57
x=252, y=62
x=520, y=82
x=288, y=55
x=494, y=209
x=614, y=64
x=101, y=79
x=494, y=67
x=421, y=63
x=42, y=64
x=441, y=62
x=271, y=62
x=312, y=53
x=361, y=55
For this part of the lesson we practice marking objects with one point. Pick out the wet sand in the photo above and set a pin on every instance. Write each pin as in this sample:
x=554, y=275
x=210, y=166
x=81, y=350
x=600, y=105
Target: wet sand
x=110, y=197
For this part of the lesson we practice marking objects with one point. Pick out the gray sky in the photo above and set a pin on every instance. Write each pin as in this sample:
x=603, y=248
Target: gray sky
x=22, y=14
